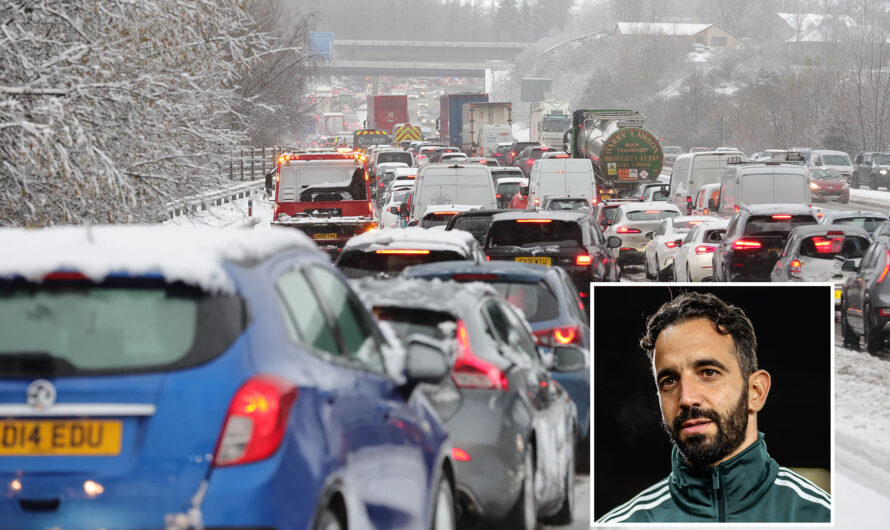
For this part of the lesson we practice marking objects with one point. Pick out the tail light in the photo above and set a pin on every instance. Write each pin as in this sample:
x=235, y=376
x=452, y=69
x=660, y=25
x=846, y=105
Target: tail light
x=626, y=230
x=498, y=195
x=781, y=217
x=704, y=249
x=794, y=269
x=583, y=259
x=886, y=267
x=562, y=335
x=670, y=244
x=529, y=161
x=256, y=421
x=460, y=455
x=744, y=244
x=472, y=372
x=735, y=209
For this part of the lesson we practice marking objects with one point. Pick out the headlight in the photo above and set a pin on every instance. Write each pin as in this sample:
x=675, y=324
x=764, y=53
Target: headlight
x=814, y=186
x=883, y=172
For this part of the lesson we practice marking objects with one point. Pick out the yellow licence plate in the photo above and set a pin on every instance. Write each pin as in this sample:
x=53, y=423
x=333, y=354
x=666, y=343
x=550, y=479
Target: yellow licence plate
x=324, y=236
x=60, y=437
x=837, y=294
x=605, y=196
x=536, y=261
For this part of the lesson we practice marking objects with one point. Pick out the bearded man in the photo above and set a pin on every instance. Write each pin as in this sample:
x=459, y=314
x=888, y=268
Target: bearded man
x=703, y=354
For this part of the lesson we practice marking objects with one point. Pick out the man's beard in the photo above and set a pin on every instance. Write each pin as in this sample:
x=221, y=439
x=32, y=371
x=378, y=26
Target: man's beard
x=697, y=449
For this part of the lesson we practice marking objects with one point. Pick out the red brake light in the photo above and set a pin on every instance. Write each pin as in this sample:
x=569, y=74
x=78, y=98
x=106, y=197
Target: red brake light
x=583, y=259
x=743, y=244
x=472, y=372
x=626, y=230
x=65, y=275
x=512, y=153
x=409, y=252
x=781, y=217
x=256, y=421
x=470, y=277
x=794, y=269
x=704, y=249
x=566, y=335
x=460, y=455
x=886, y=267
x=529, y=161
x=538, y=221
x=670, y=244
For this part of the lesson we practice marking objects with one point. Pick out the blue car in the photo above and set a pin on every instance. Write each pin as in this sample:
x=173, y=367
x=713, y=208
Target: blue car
x=181, y=377
x=550, y=302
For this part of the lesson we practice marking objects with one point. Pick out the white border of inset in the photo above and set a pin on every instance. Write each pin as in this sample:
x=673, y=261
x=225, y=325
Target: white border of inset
x=703, y=286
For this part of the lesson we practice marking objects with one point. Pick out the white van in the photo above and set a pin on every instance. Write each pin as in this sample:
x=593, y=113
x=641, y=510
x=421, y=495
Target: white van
x=560, y=176
x=452, y=184
x=693, y=170
x=838, y=160
x=752, y=183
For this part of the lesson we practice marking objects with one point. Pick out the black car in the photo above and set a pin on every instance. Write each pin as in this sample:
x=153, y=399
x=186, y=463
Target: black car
x=526, y=159
x=865, y=297
x=517, y=148
x=570, y=240
x=871, y=169
x=475, y=222
x=754, y=240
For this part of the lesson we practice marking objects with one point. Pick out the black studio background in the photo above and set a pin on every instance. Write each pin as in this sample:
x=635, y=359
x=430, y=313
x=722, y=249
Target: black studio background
x=793, y=328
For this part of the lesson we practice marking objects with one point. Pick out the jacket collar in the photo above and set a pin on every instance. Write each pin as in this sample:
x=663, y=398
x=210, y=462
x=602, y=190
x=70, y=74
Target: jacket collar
x=743, y=479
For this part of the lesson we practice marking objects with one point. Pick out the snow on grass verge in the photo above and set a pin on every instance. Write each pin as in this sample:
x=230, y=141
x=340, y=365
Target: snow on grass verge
x=230, y=214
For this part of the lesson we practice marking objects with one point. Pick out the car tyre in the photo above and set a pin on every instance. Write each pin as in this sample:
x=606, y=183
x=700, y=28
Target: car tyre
x=649, y=275
x=851, y=338
x=443, y=514
x=582, y=455
x=688, y=274
x=664, y=274
x=524, y=514
x=328, y=520
x=566, y=512
x=874, y=339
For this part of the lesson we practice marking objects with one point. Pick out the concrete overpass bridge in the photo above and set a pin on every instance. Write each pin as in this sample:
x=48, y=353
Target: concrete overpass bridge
x=416, y=58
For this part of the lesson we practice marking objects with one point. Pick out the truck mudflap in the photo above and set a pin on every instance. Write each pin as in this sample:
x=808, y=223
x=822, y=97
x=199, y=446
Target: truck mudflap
x=330, y=234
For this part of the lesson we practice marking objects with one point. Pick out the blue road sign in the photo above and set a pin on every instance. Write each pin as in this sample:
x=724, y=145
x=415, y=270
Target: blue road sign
x=321, y=44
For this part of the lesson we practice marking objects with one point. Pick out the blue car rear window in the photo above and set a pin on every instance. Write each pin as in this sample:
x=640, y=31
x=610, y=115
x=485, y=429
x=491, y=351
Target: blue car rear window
x=78, y=327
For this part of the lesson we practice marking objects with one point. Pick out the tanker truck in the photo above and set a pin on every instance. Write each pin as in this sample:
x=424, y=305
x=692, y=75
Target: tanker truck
x=623, y=153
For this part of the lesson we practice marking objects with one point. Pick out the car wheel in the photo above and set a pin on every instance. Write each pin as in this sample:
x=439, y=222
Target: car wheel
x=524, y=514
x=851, y=338
x=443, y=512
x=328, y=520
x=874, y=339
x=688, y=274
x=566, y=512
x=582, y=455
x=649, y=275
x=665, y=273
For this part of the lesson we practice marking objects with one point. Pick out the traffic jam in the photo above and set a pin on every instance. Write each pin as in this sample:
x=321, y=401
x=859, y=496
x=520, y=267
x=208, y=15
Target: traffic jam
x=407, y=344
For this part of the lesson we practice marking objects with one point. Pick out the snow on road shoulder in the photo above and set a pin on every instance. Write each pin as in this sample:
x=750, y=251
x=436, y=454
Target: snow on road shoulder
x=862, y=423
x=230, y=214
x=870, y=197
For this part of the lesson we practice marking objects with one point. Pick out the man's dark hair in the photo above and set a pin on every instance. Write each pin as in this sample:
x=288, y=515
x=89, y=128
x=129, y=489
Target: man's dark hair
x=727, y=320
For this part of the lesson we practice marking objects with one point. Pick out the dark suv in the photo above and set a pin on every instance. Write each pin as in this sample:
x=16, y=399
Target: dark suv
x=754, y=240
x=570, y=240
x=865, y=297
x=515, y=149
x=526, y=159
x=872, y=169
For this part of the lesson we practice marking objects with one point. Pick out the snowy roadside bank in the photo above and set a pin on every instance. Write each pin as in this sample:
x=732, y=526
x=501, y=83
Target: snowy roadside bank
x=871, y=197
x=229, y=215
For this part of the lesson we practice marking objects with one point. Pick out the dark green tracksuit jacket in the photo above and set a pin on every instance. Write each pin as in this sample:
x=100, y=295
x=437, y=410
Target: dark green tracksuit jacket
x=750, y=487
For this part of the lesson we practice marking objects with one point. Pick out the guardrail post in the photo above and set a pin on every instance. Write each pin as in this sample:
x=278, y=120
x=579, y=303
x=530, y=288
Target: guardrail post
x=264, y=162
x=252, y=160
x=231, y=166
x=241, y=161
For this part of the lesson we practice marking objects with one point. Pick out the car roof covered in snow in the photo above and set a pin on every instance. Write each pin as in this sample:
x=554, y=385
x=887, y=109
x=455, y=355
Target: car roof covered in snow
x=852, y=214
x=656, y=205
x=193, y=255
x=504, y=270
x=790, y=208
x=558, y=215
x=413, y=237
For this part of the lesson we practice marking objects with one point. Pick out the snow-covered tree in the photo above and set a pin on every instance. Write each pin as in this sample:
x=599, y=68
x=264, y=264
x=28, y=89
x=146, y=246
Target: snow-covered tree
x=110, y=108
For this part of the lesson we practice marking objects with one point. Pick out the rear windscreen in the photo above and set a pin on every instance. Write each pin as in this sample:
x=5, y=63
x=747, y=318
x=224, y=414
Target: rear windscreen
x=568, y=204
x=776, y=224
x=359, y=263
x=650, y=215
x=508, y=189
x=397, y=156
x=478, y=226
x=72, y=327
x=334, y=182
x=536, y=300
x=512, y=233
x=435, y=219
x=870, y=224
x=829, y=246
x=408, y=321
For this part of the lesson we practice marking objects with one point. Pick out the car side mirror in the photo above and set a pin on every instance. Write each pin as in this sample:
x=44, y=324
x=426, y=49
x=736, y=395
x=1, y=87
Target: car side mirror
x=849, y=266
x=413, y=223
x=678, y=242
x=568, y=359
x=426, y=361
x=613, y=242
x=606, y=222
x=712, y=204
x=650, y=235
x=394, y=210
